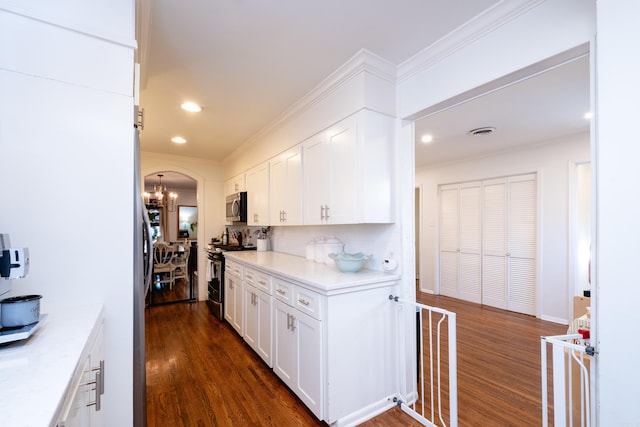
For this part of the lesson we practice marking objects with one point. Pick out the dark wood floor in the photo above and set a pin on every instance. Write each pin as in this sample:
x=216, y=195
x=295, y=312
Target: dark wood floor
x=200, y=372
x=163, y=293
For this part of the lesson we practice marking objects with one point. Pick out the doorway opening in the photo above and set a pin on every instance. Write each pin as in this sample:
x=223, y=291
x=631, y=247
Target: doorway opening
x=171, y=201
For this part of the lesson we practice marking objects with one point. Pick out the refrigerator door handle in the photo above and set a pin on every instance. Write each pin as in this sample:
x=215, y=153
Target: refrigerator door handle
x=148, y=267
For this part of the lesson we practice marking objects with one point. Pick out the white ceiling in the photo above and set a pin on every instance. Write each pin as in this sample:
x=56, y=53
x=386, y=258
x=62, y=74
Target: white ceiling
x=533, y=111
x=248, y=61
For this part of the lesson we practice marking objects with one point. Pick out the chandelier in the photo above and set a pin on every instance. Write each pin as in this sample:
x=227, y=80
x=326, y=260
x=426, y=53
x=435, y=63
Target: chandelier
x=161, y=197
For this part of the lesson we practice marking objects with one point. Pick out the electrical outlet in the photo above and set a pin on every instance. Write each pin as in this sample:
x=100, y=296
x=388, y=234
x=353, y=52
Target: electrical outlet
x=389, y=264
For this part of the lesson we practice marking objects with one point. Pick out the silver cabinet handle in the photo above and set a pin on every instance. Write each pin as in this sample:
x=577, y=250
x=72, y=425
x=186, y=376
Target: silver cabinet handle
x=321, y=212
x=326, y=212
x=280, y=291
x=303, y=302
x=99, y=386
x=262, y=282
x=102, y=376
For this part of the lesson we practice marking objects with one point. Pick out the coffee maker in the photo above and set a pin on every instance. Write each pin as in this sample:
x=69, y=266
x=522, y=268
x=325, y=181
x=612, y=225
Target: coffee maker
x=14, y=263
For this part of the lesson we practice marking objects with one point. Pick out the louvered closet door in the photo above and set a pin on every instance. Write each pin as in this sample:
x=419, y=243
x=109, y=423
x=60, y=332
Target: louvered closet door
x=460, y=241
x=509, y=243
x=470, y=214
x=449, y=231
x=494, y=244
x=522, y=244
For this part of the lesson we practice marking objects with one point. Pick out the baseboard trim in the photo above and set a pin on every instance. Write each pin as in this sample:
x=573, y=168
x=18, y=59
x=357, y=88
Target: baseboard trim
x=366, y=413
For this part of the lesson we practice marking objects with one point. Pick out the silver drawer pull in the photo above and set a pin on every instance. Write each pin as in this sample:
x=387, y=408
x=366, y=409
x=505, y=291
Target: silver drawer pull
x=280, y=291
x=303, y=302
x=262, y=282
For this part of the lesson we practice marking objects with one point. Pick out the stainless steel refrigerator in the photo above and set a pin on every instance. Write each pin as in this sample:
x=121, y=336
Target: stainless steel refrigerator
x=143, y=255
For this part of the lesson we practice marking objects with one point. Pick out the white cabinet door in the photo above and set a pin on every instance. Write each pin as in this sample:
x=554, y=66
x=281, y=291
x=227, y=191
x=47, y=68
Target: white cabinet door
x=308, y=349
x=330, y=175
x=284, y=344
x=297, y=353
x=342, y=150
x=257, y=322
x=315, y=176
x=250, y=316
x=82, y=406
x=257, y=180
x=264, y=337
x=233, y=302
x=346, y=172
x=235, y=185
x=285, y=188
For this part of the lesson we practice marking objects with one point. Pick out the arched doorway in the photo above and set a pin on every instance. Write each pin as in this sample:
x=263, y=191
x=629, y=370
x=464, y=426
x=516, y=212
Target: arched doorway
x=171, y=200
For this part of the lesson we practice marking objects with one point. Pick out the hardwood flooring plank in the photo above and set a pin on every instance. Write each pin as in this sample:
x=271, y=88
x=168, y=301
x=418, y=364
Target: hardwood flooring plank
x=201, y=373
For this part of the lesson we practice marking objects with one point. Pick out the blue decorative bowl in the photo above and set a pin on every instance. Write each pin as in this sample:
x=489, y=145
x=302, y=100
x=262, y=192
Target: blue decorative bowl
x=350, y=263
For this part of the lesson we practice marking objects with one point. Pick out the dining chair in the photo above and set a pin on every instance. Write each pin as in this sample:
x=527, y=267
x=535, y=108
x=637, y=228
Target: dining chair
x=181, y=265
x=163, y=266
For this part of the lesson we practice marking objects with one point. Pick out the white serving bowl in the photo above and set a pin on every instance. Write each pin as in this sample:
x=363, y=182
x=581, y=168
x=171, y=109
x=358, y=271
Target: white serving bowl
x=350, y=263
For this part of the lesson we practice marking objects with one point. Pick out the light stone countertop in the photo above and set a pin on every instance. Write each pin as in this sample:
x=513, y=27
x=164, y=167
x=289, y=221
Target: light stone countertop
x=324, y=278
x=35, y=373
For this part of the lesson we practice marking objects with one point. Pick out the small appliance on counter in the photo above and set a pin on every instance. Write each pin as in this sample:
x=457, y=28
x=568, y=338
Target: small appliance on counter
x=19, y=315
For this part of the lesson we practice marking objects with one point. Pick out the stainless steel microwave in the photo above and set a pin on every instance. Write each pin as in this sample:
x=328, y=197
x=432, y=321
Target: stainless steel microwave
x=236, y=207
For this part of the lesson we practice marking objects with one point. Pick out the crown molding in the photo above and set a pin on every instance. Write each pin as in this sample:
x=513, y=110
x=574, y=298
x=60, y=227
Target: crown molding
x=477, y=27
x=143, y=28
x=66, y=21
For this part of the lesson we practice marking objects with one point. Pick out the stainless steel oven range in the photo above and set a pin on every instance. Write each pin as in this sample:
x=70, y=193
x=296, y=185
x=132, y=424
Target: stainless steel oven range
x=215, y=282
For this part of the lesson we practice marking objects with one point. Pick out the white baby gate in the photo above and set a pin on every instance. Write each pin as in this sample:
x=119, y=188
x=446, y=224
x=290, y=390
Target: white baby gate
x=570, y=376
x=435, y=400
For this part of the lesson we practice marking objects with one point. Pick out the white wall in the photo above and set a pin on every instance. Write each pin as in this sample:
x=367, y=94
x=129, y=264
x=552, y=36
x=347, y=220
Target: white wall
x=66, y=144
x=618, y=247
x=379, y=240
x=210, y=196
x=551, y=160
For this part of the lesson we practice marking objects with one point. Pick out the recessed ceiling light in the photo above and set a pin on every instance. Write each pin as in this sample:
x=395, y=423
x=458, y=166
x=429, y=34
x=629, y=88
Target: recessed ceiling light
x=178, y=140
x=191, y=106
x=588, y=115
x=426, y=138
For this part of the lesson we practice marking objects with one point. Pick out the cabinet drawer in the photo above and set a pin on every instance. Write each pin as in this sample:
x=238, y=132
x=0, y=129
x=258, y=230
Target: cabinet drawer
x=307, y=301
x=233, y=269
x=258, y=279
x=283, y=291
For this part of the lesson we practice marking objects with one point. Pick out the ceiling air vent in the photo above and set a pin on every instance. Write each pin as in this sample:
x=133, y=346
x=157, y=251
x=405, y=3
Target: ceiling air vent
x=482, y=131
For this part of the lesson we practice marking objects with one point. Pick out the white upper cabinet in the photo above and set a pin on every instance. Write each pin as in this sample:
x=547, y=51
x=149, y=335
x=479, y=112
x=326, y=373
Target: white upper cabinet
x=257, y=180
x=285, y=188
x=235, y=185
x=347, y=171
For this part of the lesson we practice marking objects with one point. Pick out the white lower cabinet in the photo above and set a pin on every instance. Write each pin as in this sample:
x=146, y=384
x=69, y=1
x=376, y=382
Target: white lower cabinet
x=233, y=296
x=332, y=345
x=297, y=354
x=82, y=405
x=257, y=321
